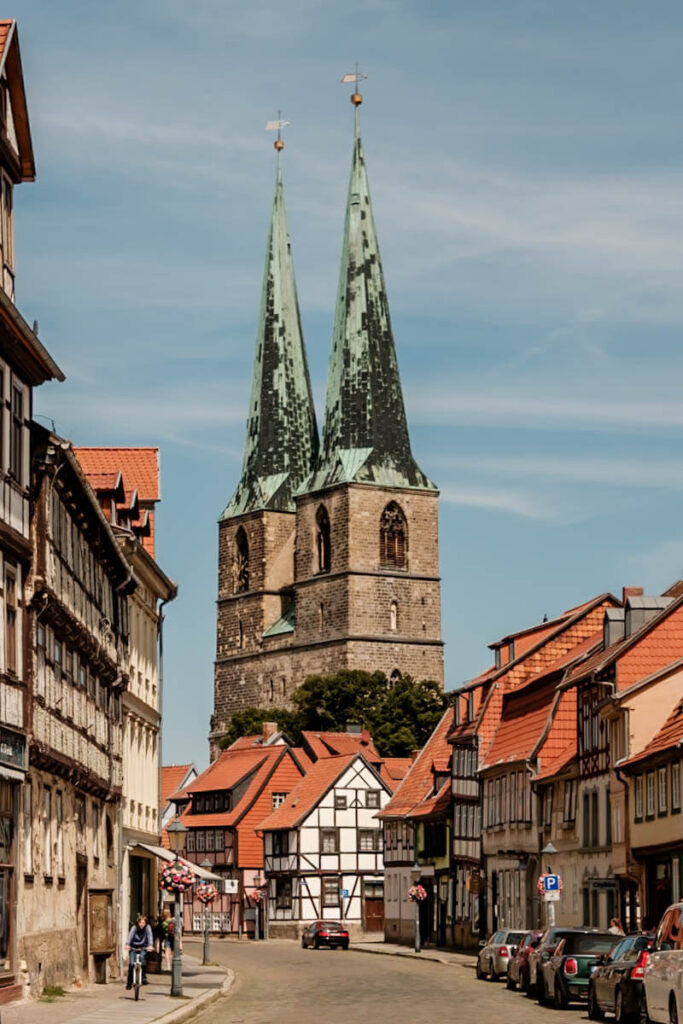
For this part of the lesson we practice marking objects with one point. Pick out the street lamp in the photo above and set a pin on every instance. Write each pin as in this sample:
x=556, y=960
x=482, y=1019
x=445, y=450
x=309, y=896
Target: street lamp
x=176, y=837
x=206, y=863
x=257, y=901
x=550, y=850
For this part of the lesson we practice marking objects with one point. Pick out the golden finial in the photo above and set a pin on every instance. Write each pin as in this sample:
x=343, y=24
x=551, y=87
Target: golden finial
x=278, y=125
x=355, y=77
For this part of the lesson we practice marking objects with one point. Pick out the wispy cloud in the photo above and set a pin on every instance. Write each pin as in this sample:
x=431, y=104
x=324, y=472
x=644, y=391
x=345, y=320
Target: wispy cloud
x=617, y=472
x=500, y=500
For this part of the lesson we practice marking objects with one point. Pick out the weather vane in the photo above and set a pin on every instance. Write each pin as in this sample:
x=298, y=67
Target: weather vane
x=355, y=77
x=272, y=126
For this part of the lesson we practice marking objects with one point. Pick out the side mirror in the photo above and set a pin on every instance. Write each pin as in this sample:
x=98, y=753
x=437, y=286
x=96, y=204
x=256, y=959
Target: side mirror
x=513, y=951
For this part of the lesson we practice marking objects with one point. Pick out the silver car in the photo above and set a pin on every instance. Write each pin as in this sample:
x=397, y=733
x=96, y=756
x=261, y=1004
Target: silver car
x=495, y=956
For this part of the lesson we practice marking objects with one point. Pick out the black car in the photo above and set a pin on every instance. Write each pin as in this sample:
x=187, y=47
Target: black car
x=325, y=933
x=616, y=985
x=565, y=976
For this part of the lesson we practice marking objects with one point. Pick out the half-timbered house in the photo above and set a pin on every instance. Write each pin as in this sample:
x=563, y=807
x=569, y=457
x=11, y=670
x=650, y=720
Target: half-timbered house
x=24, y=364
x=323, y=849
x=222, y=809
x=78, y=591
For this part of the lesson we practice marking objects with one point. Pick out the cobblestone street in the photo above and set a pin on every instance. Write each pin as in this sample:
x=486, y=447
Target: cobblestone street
x=280, y=983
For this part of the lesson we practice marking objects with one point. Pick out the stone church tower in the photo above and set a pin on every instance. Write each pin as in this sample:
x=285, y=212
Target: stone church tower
x=328, y=556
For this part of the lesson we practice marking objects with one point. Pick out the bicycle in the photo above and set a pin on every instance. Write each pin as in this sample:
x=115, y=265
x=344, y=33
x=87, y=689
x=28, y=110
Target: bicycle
x=137, y=972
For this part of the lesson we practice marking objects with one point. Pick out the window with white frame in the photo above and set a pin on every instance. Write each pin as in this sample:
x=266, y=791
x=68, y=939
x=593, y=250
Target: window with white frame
x=329, y=840
x=330, y=891
x=372, y=798
x=662, y=791
x=650, y=794
x=277, y=800
x=368, y=840
x=190, y=842
x=638, y=797
x=569, y=809
x=676, y=786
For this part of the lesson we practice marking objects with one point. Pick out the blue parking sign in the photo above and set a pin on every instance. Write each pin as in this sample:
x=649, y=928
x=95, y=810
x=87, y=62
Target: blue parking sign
x=551, y=883
x=344, y=893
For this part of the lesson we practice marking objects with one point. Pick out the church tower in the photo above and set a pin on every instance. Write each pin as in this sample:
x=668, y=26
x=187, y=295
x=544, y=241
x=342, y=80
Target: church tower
x=256, y=530
x=342, y=561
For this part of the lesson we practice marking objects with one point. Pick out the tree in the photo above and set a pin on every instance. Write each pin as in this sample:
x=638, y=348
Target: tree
x=400, y=719
x=407, y=716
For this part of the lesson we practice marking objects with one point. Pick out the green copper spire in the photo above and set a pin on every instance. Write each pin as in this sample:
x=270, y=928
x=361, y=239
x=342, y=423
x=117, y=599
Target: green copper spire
x=282, y=436
x=365, y=436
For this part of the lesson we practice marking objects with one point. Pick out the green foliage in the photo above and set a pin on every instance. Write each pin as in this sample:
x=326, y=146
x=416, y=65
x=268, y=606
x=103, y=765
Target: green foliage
x=400, y=719
x=250, y=723
x=51, y=992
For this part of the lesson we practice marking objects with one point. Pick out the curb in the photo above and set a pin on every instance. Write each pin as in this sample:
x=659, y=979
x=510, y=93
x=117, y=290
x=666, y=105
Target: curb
x=184, y=1013
x=410, y=956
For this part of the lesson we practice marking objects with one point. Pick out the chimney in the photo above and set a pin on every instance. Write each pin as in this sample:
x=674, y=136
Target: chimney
x=640, y=610
x=353, y=727
x=365, y=738
x=269, y=729
x=627, y=592
x=414, y=756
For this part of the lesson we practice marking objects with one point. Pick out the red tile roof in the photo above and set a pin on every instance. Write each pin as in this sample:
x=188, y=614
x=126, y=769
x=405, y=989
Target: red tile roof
x=669, y=737
x=525, y=715
x=139, y=468
x=322, y=744
x=172, y=776
x=417, y=787
x=435, y=804
x=559, y=748
x=394, y=769
x=308, y=792
x=5, y=26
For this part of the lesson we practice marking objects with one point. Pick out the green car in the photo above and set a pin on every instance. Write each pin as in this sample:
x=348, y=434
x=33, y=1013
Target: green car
x=563, y=978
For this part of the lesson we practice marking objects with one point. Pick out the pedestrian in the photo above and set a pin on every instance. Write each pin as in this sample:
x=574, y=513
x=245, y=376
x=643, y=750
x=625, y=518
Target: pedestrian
x=167, y=930
x=139, y=940
x=616, y=927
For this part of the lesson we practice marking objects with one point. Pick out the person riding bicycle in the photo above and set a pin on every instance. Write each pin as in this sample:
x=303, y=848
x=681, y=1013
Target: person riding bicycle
x=139, y=941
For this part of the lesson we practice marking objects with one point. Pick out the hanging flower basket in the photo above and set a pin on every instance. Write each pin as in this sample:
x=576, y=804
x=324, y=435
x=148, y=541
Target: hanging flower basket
x=417, y=893
x=206, y=892
x=176, y=877
x=258, y=895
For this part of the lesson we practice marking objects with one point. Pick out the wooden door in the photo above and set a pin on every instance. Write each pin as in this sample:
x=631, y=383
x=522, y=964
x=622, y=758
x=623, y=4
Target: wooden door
x=374, y=913
x=81, y=914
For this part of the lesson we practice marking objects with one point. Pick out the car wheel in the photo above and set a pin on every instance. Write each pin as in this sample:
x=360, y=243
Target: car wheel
x=540, y=991
x=345, y=946
x=594, y=1011
x=316, y=944
x=673, y=1010
x=620, y=1014
x=512, y=985
x=480, y=974
x=524, y=981
x=303, y=943
x=560, y=1000
x=644, y=1015
x=493, y=976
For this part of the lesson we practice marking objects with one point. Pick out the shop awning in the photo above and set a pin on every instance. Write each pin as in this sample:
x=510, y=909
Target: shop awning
x=11, y=774
x=162, y=854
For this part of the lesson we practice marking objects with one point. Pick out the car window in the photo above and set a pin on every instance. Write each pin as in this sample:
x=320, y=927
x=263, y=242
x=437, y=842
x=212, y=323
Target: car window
x=497, y=938
x=622, y=950
x=591, y=944
x=527, y=941
x=666, y=925
x=514, y=937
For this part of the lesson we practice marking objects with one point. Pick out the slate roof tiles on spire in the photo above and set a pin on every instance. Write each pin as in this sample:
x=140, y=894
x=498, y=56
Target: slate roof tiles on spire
x=365, y=436
x=282, y=435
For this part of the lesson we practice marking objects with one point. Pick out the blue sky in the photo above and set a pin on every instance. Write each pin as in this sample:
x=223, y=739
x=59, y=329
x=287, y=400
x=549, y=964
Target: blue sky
x=525, y=163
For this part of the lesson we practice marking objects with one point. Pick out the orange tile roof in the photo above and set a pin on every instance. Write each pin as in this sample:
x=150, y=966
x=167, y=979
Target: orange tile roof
x=322, y=744
x=171, y=777
x=394, y=769
x=560, y=746
x=232, y=767
x=243, y=742
x=308, y=792
x=285, y=777
x=302, y=757
x=418, y=785
x=5, y=26
x=524, y=717
x=140, y=467
x=435, y=804
x=669, y=737
x=575, y=658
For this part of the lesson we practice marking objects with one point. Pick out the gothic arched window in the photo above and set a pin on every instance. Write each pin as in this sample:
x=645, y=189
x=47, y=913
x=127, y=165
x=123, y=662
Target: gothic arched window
x=241, y=561
x=394, y=678
x=322, y=522
x=393, y=538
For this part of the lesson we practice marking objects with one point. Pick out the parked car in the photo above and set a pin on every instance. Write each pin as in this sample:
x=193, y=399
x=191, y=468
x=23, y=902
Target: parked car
x=564, y=977
x=616, y=984
x=542, y=952
x=325, y=933
x=495, y=956
x=664, y=970
x=518, y=969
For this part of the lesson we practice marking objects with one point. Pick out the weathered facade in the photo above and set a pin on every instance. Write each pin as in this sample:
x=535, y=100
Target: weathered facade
x=328, y=559
x=24, y=364
x=77, y=594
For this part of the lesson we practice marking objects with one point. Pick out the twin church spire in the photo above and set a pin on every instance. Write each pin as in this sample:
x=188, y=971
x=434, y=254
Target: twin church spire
x=365, y=434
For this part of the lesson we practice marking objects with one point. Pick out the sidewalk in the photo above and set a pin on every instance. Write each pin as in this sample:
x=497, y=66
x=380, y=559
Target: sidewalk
x=441, y=956
x=106, y=1004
